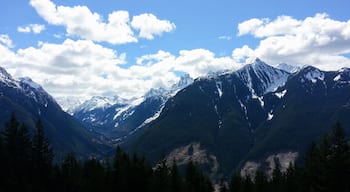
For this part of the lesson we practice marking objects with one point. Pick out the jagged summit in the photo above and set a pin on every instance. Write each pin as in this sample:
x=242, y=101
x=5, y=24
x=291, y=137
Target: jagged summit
x=7, y=79
x=184, y=81
x=4, y=74
x=261, y=77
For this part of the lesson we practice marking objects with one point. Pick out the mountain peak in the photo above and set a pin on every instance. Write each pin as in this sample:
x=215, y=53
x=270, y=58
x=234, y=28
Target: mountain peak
x=30, y=82
x=258, y=60
x=184, y=81
x=6, y=78
x=312, y=74
x=288, y=68
x=269, y=78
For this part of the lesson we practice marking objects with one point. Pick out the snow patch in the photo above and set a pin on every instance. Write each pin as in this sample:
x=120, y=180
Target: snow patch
x=269, y=116
x=120, y=111
x=219, y=88
x=154, y=117
x=244, y=109
x=261, y=101
x=337, y=78
x=314, y=75
x=281, y=94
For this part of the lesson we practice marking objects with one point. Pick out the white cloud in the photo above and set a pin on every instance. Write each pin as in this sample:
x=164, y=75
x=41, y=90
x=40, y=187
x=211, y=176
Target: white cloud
x=80, y=21
x=34, y=28
x=5, y=40
x=199, y=62
x=225, y=37
x=149, y=25
x=81, y=68
x=73, y=67
x=318, y=40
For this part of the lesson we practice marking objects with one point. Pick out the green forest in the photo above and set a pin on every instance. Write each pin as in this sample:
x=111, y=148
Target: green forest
x=27, y=164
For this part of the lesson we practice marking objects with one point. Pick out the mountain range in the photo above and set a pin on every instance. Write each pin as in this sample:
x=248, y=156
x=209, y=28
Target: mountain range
x=117, y=118
x=230, y=121
x=30, y=102
x=244, y=119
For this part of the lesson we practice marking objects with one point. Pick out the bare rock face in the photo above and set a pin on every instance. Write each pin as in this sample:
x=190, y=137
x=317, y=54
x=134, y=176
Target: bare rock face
x=195, y=153
x=284, y=159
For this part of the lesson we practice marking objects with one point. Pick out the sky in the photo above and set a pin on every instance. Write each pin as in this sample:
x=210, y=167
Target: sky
x=84, y=48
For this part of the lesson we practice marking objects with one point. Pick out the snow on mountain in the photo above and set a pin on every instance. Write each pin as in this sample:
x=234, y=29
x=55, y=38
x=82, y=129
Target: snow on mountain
x=261, y=78
x=343, y=76
x=288, y=68
x=184, y=81
x=153, y=92
x=69, y=104
x=7, y=79
x=26, y=86
x=313, y=74
x=101, y=102
x=281, y=94
x=31, y=83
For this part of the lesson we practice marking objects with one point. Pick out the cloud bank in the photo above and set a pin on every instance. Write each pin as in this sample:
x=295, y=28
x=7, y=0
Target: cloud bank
x=82, y=68
x=319, y=41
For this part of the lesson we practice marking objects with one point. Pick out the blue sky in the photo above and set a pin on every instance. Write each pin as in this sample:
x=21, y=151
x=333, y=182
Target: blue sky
x=49, y=40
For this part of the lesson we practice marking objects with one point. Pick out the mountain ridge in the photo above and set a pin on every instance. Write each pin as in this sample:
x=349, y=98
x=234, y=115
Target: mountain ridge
x=30, y=102
x=239, y=116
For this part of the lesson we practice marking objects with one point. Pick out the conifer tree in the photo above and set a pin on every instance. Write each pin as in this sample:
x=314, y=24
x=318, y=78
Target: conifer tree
x=260, y=181
x=338, y=160
x=42, y=155
x=71, y=174
x=277, y=177
x=93, y=175
x=17, y=147
x=175, y=179
x=236, y=184
x=248, y=185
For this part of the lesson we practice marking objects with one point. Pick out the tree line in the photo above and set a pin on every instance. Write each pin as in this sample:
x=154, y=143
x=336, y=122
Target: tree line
x=26, y=164
x=326, y=168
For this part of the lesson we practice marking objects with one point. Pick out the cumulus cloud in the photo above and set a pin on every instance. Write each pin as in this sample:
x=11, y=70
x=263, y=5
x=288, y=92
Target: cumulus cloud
x=31, y=28
x=149, y=25
x=82, y=68
x=80, y=21
x=73, y=67
x=5, y=40
x=318, y=40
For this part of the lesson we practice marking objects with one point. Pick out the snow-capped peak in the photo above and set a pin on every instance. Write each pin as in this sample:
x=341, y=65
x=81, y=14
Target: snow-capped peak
x=98, y=102
x=7, y=79
x=184, y=81
x=288, y=68
x=269, y=78
x=30, y=82
x=4, y=74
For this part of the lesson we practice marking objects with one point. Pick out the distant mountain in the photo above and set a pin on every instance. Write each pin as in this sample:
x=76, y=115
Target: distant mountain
x=117, y=118
x=288, y=68
x=245, y=118
x=29, y=101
